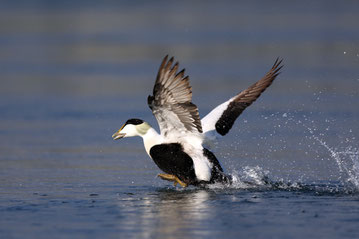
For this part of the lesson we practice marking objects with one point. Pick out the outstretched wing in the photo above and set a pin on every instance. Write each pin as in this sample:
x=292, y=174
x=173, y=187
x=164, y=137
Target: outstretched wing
x=171, y=101
x=223, y=116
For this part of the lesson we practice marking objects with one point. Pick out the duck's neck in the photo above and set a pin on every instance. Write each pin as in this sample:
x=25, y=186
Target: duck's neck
x=150, y=139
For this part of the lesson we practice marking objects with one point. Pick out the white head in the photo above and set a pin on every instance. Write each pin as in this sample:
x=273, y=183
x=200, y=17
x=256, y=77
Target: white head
x=132, y=127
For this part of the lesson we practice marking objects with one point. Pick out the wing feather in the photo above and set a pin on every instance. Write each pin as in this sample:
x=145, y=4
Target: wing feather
x=223, y=116
x=171, y=100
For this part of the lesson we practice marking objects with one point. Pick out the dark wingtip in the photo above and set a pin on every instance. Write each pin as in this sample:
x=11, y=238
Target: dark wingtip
x=164, y=60
x=163, y=63
x=150, y=99
x=275, y=63
x=278, y=64
x=181, y=73
x=242, y=100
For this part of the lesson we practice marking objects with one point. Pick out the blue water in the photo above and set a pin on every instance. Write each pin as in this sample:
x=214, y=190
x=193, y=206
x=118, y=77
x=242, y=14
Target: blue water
x=72, y=73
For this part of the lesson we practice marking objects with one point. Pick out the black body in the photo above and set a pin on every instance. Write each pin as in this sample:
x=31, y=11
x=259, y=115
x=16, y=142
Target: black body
x=171, y=159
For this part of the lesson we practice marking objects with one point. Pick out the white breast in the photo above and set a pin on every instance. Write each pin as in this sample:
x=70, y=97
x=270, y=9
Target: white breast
x=150, y=139
x=202, y=166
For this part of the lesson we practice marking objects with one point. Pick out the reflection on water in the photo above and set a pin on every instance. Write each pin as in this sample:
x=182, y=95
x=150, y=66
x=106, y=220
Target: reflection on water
x=193, y=213
x=170, y=213
x=182, y=212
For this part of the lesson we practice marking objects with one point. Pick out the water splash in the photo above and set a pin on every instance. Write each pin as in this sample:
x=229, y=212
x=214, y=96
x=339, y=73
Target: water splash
x=344, y=180
x=347, y=160
x=249, y=177
x=343, y=173
x=255, y=178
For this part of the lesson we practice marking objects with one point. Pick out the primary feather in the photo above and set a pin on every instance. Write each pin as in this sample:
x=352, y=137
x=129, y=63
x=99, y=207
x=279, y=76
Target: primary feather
x=223, y=116
x=171, y=101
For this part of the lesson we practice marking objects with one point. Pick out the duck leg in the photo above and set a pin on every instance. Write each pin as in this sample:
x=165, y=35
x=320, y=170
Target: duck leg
x=172, y=178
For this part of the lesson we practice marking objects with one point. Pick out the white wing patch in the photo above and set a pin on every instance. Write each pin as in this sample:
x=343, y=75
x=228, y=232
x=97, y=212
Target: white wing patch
x=222, y=118
x=210, y=120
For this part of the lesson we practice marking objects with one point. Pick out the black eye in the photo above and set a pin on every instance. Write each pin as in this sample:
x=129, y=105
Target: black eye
x=134, y=121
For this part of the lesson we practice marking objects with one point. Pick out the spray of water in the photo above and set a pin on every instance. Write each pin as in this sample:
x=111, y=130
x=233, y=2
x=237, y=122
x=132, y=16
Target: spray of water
x=346, y=159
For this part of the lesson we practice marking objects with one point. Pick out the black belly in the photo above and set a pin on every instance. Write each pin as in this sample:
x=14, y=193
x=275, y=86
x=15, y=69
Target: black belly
x=217, y=174
x=171, y=159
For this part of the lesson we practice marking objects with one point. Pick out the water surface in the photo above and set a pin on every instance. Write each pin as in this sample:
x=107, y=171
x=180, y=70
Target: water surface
x=72, y=73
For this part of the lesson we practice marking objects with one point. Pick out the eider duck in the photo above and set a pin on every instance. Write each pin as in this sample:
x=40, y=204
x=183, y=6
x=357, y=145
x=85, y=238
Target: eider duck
x=179, y=149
